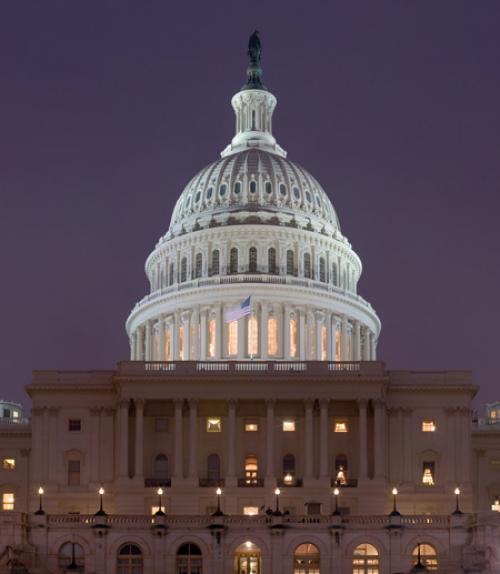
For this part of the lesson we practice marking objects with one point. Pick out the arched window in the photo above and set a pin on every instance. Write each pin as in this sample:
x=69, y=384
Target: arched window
x=183, y=269
x=253, y=336
x=189, y=559
x=307, y=265
x=71, y=554
x=198, y=265
x=160, y=467
x=269, y=187
x=130, y=560
x=237, y=188
x=171, y=274
x=322, y=270
x=271, y=260
x=365, y=560
x=252, y=260
x=213, y=469
x=215, y=262
x=253, y=187
x=306, y=559
x=341, y=469
x=272, y=335
x=233, y=260
x=251, y=470
x=428, y=556
x=334, y=274
x=290, y=263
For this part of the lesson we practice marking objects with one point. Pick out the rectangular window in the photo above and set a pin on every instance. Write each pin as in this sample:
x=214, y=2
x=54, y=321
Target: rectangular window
x=428, y=426
x=15, y=414
x=341, y=426
x=73, y=473
x=74, y=425
x=9, y=464
x=272, y=336
x=211, y=338
x=232, y=343
x=251, y=427
x=8, y=500
x=313, y=508
x=428, y=473
x=495, y=463
x=161, y=424
x=214, y=424
x=288, y=425
x=250, y=510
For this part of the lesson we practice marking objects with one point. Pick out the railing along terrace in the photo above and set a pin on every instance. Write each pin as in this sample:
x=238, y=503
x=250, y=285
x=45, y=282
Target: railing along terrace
x=328, y=368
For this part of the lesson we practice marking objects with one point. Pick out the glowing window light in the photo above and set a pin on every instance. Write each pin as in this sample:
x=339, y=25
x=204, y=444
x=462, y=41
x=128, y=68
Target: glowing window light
x=9, y=464
x=428, y=474
x=496, y=505
x=253, y=336
x=250, y=511
x=428, y=426
x=293, y=338
x=272, y=336
x=181, y=342
x=338, y=346
x=251, y=427
x=323, y=343
x=211, y=338
x=8, y=501
x=341, y=426
x=288, y=425
x=232, y=343
x=214, y=424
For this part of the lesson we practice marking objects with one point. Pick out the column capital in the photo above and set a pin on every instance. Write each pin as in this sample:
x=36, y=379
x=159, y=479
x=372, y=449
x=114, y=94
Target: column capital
x=379, y=403
x=178, y=402
x=123, y=402
x=139, y=402
x=232, y=402
x=193, y=403
x=270, y=403
x=324, y=403
x=308, y=402
x=362, y=403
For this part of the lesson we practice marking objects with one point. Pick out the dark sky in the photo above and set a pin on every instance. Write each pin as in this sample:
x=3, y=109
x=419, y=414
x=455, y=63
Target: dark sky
x=108, y=108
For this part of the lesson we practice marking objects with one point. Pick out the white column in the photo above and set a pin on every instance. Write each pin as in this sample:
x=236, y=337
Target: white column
x=286, y=332
x=174, y=343
x=231, y=446
x=373, y=347
x=324, y=435
x=186, y=323
x=218, y=332
x=366, y=347
x=363, y=440
x=379, y=439
x=335, y=330
x=309, y=438
x=123, y=405
x=195, y=318
x=270, y=469
x=242, y=338
x=161, y=329
x=302, y=334
x=357, y=341
x=149, y=341
x=178, y=453
x=133, y=346
x=193, y=439
x=139, y=439
x=139, y=356
x=330, y=354
x=343, y=339
x=318, y=316
x=203, y=335
x=264, y=315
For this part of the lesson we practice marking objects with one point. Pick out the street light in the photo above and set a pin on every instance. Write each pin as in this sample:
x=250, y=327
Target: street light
x=40, y=510
x=395, y=511
x=496, y=505
x=277, y=511
x=159, y=512
x=336, y=492
x=72, y=566
x=419, y=568
x=457, y=510
x=100, y=512
x=218, y=512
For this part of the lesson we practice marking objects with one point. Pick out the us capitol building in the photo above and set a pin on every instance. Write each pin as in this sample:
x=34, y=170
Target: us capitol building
x=253, y=431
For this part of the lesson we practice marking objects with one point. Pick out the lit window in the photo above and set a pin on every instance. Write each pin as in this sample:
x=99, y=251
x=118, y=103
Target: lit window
x=495, y=507
x=232, y=344
x=495, y=463
x=288, y=425
x=213, y=424
x=293, y=338
x=161, y=424
x=250, y=510
x=74, y=425
x=323, y=343
x=253, y=336
x=428, y=426
x=8, y=501
x=251, y=427
x=251, y=470
x=181, y=342
x=338, y=346
x=365, y=560
x=9, y=463
x=15, y=414
x=211, y=338
x=168, y=345
x=341, y=426
x=428, y=469
x=272, y=336
x=428, y=556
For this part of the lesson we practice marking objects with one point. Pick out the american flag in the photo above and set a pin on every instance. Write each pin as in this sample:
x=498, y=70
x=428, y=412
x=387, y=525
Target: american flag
x=235, y=313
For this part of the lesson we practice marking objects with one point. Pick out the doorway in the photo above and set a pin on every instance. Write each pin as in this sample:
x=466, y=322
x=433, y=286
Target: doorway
x=247, y=559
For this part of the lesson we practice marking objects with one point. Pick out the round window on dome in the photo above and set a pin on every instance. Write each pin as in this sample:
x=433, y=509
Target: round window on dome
x=308, y=196
x=269, y=187
x=282, y=189
x=197, y=196
x=210, y=192
x=296, y=193
x=253, y=187
x=223, y=190
x=237, y=188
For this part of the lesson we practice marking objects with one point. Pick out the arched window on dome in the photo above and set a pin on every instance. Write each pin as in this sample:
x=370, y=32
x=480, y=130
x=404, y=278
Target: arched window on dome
x=322, y=270
x=253, y=187
x=365, y=560
x=252, y=260
x=294, y=338
x=307, y=265
x=306, y=559
x=271, y=260
x=215, y=262
x=237, y=188
x=269, y=187
x=171, y=274
x=130, y=560
x=253, y=336
x=198, y=266
x=183, y=269
x=233, y=260
x=428, y=556
x=272, y=336
x=290, y=262
x=188, y=559
x=334, y=274
x=71, y=555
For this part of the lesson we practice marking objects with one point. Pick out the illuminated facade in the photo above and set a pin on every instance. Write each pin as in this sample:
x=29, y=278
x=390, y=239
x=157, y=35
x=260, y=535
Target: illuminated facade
x=327, y=462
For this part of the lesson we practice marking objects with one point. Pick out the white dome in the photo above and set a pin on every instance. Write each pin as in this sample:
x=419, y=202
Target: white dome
x=251, y=181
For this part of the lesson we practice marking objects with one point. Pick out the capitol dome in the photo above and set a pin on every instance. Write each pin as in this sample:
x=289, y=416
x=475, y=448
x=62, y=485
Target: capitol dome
x=254, y=264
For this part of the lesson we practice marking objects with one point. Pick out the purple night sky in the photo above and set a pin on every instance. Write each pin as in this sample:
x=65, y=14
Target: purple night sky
x=108, y=108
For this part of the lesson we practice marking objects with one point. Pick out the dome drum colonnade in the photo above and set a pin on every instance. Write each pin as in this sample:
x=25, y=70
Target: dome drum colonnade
x=253, y=223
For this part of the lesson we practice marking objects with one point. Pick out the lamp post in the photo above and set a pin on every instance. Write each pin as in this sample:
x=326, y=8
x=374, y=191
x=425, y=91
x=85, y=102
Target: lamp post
x=419, y=568
x=277, y=493
x=457, y=510
x=72, y=566
x=336, y=492
x=101, y=511
x=159, y=512
x=40, y=510
x=395, y=511
x=218, y=512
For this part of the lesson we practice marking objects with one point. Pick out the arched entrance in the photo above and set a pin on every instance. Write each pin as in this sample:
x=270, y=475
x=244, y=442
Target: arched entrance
x=247, y=559
x=306, y=559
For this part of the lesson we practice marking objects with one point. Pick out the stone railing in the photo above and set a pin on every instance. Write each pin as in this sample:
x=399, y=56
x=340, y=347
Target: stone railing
x=326, y=368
